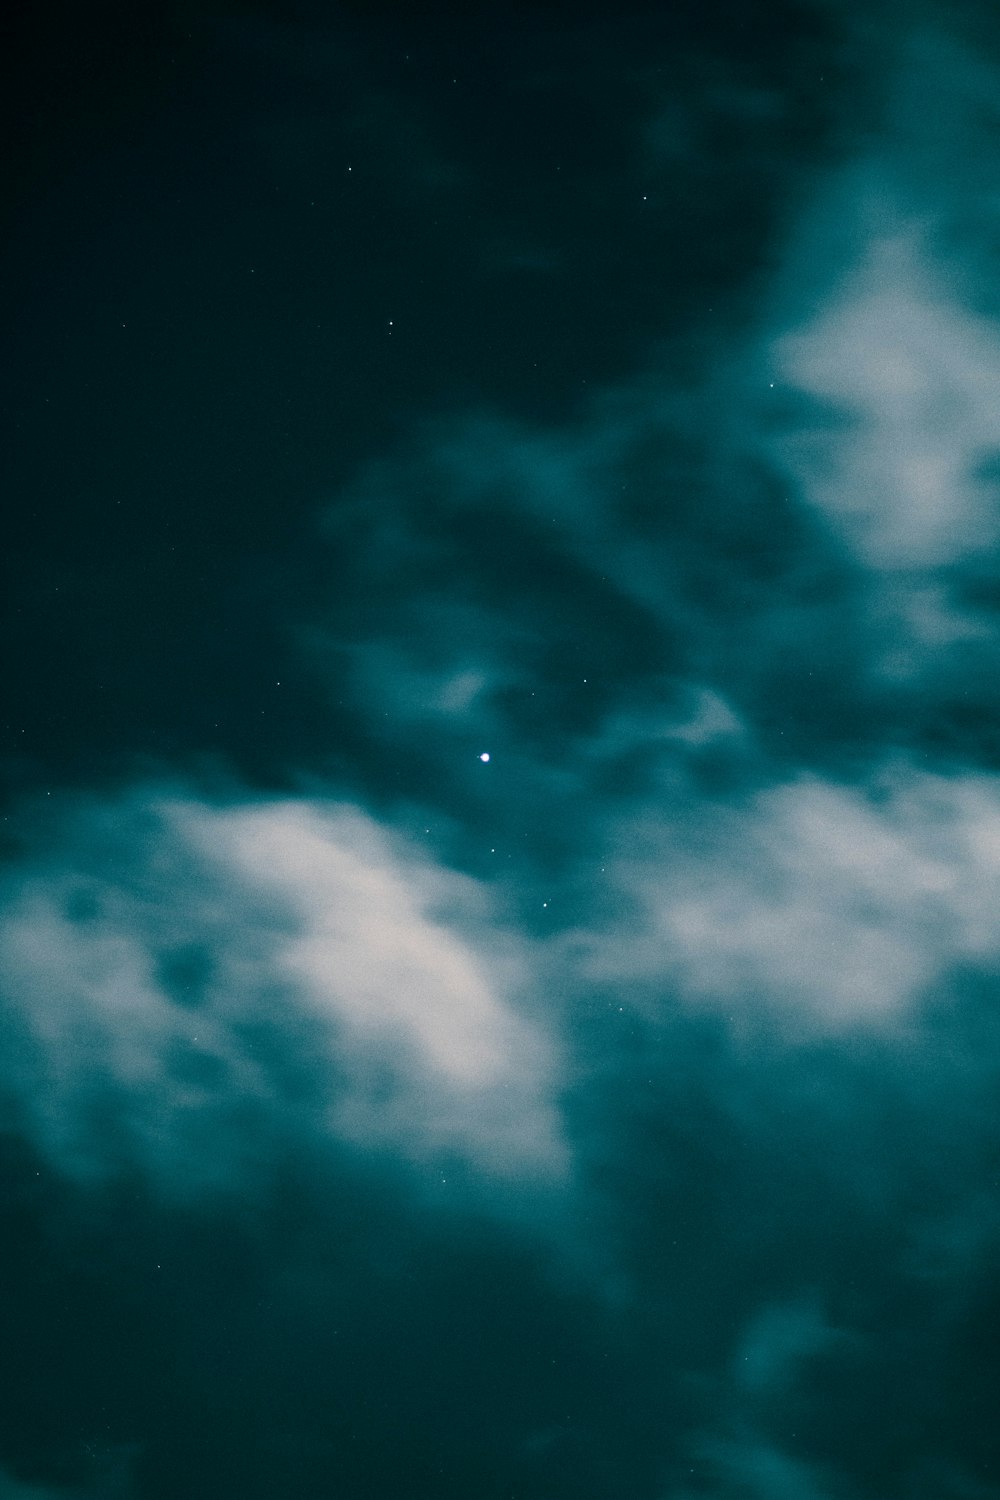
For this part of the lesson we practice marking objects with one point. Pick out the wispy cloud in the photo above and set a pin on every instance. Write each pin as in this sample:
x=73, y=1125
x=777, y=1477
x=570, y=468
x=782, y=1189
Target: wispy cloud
x=111, y=1483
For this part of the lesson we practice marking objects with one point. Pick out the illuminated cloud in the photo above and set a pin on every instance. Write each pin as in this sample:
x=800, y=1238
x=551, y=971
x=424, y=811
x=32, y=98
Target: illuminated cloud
x=833, y=906
x=367, y=953
x=186, y=983
x=904, y=377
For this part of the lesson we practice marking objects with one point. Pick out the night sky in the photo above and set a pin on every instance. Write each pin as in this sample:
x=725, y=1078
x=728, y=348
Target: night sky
x=500, y=762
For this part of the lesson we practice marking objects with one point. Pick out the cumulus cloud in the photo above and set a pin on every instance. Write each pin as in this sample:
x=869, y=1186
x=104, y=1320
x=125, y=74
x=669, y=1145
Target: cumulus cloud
x=183, y=981
x=830, y=905
x=904, y=379
x=367, y=951
x=880, y=338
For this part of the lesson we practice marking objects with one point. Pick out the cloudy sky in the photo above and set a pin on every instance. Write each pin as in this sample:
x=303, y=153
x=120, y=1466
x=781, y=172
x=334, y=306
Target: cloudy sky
x=500, y=883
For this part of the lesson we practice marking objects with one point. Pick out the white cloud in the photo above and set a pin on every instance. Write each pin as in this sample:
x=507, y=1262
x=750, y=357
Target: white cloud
x=906, y=380
x=365, y=950
x=883, y=313
x=831, y=905
x=165, y=957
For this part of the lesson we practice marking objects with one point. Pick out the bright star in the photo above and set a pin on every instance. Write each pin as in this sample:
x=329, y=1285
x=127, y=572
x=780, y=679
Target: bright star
x=485, y=756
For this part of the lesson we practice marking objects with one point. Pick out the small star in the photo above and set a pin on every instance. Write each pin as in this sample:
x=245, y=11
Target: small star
x=485, y=756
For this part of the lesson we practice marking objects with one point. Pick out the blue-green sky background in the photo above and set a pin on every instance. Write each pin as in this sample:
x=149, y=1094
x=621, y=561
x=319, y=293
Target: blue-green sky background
x=501, y=764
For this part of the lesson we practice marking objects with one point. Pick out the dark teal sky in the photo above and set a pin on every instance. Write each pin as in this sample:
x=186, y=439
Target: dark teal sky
x=501, y=803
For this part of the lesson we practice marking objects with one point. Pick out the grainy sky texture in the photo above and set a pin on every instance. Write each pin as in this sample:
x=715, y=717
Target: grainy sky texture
x=500, y=882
